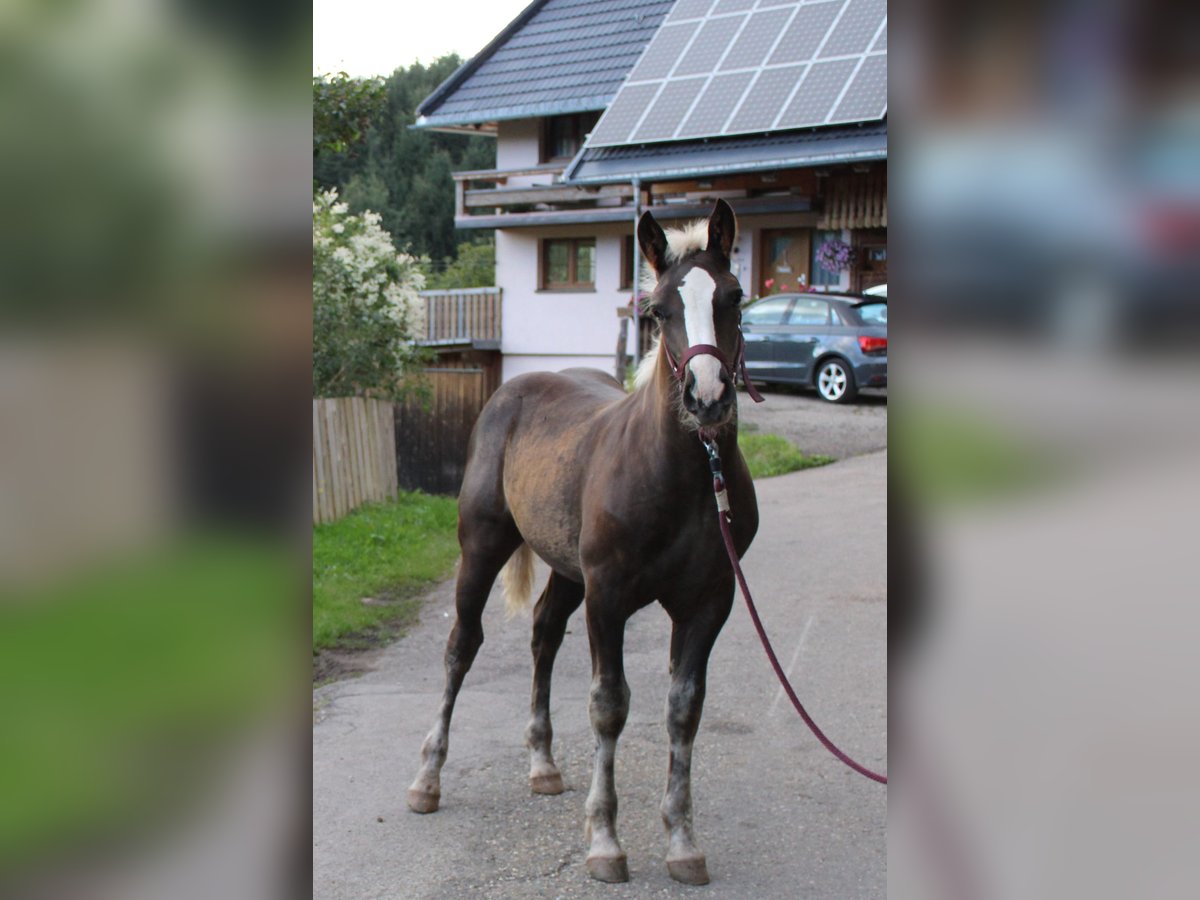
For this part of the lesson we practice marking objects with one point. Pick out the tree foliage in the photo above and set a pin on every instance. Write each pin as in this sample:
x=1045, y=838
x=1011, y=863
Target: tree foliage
x=402, y=174
x=475, y=267
x=366, y=308
x=343, y=110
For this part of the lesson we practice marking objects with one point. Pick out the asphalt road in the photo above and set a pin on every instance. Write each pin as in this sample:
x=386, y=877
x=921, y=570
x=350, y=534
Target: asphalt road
x=816, y=426
x=776, y=815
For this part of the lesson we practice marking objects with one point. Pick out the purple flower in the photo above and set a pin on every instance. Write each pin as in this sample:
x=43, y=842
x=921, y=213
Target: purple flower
x=836, y=256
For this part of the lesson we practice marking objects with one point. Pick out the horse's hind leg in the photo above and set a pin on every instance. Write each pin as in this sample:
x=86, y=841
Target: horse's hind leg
x=485, y=550
x=560, y=598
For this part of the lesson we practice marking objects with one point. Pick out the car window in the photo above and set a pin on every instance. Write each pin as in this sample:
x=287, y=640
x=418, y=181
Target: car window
x=809, y=312
x=767, y=312
x=873, y=313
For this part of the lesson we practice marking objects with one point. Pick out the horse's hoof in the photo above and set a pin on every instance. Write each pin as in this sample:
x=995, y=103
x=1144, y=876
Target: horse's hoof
x=612, y=869
x=689, y=870
x=546, y=784
x=422, y=801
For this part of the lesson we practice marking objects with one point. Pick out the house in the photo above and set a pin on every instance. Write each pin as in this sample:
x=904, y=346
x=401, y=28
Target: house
x=604, y=108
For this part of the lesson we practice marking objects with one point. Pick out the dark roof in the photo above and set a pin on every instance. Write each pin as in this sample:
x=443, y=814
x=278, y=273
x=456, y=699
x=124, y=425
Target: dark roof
x=690, y=159
x=557, y=56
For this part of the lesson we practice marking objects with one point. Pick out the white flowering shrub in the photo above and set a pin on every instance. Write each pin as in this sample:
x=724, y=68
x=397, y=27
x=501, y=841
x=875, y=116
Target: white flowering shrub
x=366, y=307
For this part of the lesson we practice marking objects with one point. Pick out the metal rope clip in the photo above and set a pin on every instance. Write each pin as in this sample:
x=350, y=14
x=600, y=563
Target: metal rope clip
x=714, y=463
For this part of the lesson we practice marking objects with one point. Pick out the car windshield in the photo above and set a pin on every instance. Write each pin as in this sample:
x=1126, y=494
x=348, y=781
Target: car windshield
x=873, y=313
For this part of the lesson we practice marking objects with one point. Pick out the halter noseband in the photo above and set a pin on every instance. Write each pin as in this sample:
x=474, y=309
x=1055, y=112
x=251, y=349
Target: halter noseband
x=738, y=366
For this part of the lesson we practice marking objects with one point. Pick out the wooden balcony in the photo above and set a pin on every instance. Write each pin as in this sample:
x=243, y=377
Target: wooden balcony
x=487, y=198
x=486, y=193
x=462, y=317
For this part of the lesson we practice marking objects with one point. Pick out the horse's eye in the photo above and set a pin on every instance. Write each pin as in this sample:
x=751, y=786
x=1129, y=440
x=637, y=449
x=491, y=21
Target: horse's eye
x=658, y=313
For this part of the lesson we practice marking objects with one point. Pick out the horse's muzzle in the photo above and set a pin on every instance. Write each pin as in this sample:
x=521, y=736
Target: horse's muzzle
x=709, y=413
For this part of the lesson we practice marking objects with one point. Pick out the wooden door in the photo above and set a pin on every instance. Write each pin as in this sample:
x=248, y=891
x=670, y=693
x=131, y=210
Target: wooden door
x=432, y=431
x=785, y=257
x=871, y=268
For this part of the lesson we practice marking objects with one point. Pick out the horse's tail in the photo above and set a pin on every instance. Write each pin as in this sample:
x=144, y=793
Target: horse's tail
x=517, y=577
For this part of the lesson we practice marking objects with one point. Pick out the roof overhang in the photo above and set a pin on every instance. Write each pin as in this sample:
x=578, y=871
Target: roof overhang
x=723, y=156
x=484, y=121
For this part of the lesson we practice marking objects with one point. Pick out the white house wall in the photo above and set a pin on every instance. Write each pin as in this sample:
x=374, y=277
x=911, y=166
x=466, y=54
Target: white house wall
x=546, y=331
x=553, y=330
x=518, y=146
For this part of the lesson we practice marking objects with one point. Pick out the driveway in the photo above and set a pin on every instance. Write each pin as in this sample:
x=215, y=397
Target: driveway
x=816, y=426
x=775, y=813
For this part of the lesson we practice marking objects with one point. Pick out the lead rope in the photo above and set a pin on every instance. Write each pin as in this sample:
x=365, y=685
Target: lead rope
x=724, y=517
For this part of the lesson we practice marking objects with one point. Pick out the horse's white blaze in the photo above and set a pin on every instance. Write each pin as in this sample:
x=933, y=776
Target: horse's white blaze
x=697, y=292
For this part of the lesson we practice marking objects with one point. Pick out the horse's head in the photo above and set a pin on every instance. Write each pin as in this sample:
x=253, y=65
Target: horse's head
x=696, y=302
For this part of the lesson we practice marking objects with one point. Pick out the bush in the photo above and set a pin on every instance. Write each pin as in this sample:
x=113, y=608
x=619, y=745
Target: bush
x=366, y=307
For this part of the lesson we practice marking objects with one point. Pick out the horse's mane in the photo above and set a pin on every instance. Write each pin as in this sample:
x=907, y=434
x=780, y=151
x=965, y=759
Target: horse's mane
x=691, y=238
x=681, y=242
x=645, y=369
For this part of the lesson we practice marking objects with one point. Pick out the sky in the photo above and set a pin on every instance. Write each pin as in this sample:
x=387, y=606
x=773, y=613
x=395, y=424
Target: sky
x=374, y=37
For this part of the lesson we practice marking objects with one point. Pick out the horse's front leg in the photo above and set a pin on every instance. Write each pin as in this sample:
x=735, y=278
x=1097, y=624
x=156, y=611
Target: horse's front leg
x=692, y=638
x=608, y=707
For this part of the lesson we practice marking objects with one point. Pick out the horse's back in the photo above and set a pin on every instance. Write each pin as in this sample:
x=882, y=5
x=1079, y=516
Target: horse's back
x=527, y=454
x=574, y=384
x=539, y=403
x=571, y=394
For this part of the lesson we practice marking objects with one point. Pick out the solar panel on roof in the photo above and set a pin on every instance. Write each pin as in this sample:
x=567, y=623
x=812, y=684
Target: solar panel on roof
x=804, y=35
x=762, y=104
x=668, y=43
x=689, y=9
x=725, y=67
x=709, y=46
x=725, y=6
x=669, y=109
x=710, y=112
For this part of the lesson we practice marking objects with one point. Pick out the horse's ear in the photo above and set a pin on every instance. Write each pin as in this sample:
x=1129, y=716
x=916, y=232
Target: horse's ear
x=652, y=241
x=722, y=229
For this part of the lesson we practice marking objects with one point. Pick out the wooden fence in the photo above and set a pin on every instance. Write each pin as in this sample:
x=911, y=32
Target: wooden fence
x=463, y=316
x=354, y=455
x=431, y=437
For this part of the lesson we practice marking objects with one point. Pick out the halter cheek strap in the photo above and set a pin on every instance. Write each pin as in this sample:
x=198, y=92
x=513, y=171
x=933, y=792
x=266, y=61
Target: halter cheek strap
x=738, y=367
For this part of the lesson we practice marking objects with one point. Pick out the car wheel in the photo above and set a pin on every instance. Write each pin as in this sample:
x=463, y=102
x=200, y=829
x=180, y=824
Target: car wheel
x=835, y=381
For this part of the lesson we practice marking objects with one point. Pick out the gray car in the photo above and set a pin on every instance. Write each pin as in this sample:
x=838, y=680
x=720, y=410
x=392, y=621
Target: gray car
x=836, y=343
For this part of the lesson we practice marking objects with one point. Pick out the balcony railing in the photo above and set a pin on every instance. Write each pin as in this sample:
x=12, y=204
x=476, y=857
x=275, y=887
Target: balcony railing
x=487, y=192
x=463, y=316
x=537, y=196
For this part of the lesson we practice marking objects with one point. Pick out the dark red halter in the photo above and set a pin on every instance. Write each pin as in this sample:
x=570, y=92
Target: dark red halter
x=738, y=366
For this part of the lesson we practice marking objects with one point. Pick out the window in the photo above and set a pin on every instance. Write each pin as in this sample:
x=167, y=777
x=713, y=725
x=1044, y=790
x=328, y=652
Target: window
x=568, y=264
x=821, y=276
x=809, y=312
x=873, y=313
x=562, y=136
x=767, y=312
x=625, y=282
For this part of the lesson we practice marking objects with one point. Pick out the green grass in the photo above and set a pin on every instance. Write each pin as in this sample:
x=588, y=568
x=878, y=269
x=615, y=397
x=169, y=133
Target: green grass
x=769, y=454
x=390, y=552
